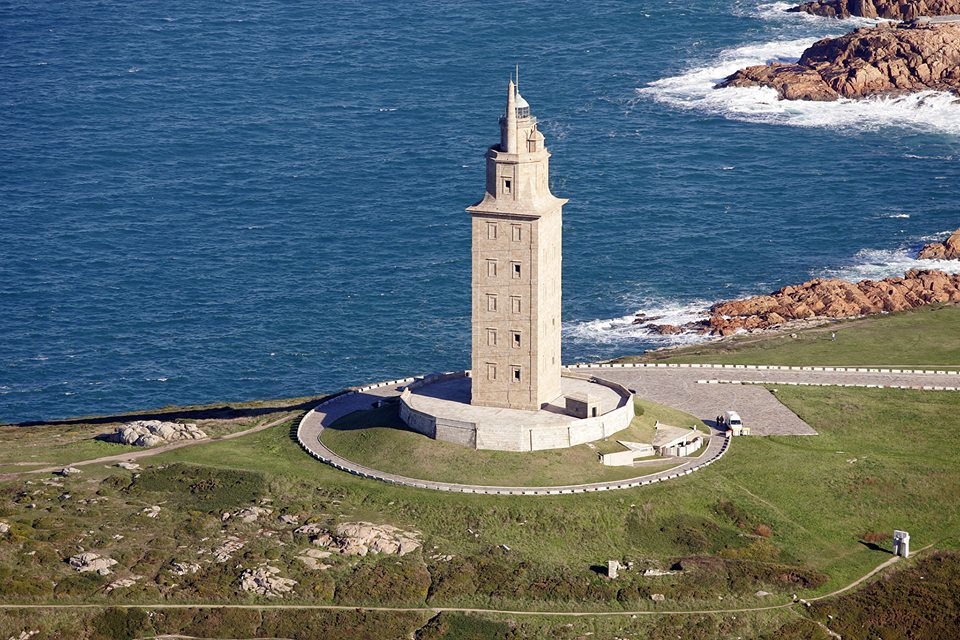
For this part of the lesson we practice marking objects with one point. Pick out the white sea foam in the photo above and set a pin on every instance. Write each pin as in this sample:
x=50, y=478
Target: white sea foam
x=935, y=111
x=903, y=216
x=623, y=329
x=777, y=12
x=877, y=264
x=867, y=264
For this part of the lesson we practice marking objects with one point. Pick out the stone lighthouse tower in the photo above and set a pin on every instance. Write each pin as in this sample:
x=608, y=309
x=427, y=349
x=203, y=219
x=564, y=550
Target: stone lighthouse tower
x=516, y=270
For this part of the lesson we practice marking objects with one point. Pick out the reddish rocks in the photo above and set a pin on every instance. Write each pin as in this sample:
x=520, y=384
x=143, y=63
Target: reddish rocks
x=890, y=9
x=823, y=298
x=947, y=250
x=665, y=329
x=885, y=59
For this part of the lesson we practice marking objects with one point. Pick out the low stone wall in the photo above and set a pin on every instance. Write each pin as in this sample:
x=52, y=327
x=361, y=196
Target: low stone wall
x=507, y=437
x=315, y=448
x=758, y=367
x=417, y=421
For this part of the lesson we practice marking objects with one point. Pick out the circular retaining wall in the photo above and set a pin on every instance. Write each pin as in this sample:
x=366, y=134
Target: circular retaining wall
x=311, y=426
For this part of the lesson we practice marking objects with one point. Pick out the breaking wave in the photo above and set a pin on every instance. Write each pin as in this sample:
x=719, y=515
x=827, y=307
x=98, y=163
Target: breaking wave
x=867, y=264
x=626, y=329
x=777, y=12
x=877, y=264
x=931, y=111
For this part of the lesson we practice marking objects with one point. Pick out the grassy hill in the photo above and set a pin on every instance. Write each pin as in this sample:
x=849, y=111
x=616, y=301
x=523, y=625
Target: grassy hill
x=779, y=514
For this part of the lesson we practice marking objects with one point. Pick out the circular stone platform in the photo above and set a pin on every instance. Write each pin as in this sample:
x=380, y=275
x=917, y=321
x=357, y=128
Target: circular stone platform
x=439, y=407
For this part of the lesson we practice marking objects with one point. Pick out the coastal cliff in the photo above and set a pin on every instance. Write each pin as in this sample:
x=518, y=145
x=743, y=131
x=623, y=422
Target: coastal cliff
x=890, y=9
x=946, y=250
x=882, y=60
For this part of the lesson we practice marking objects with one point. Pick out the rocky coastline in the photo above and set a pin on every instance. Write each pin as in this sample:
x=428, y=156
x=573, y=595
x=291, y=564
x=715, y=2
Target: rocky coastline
x=887, y=59
x=818, y=301
x=888, y=9
x=949, y=249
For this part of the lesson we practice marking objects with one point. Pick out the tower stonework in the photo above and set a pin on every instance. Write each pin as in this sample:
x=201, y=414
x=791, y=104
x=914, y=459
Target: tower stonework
x=517, y=265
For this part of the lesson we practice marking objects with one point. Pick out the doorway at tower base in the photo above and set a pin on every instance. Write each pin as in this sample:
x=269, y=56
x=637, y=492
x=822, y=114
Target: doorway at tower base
x=438, y=406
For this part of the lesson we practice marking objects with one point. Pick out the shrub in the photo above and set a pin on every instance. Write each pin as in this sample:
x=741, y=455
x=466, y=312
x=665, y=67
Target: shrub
x=457, y=626
x=204, y=488
x=404, y=580
x=120, y=623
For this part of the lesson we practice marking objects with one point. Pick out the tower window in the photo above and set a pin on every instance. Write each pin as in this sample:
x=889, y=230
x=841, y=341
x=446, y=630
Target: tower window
x=491, y=337
x=491, y=371
x=507, y=185
x=516, y=339
x=491, y=230
x=515, y=374
x=516, y=269
x=517, y=233
x=515, y=304
x=492, y=268
x=491, y=302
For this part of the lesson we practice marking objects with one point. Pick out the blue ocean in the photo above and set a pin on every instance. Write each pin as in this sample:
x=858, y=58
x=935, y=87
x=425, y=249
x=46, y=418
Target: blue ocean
x=205, y=202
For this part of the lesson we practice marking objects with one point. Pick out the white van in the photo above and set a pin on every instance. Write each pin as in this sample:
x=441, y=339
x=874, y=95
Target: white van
x=733, y=422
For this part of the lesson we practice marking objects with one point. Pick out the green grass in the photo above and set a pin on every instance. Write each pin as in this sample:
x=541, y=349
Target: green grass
x=923, y=337
x=786, y=514
x=62, y=442
x=818, y=504
x=362, y=438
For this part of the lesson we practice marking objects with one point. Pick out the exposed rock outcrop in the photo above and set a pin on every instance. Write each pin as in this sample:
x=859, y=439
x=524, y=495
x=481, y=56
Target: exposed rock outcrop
x=946, y=250
x=231, y=544
x=361, y=538
x=266, y=581
x=184, y=568
x=84, y=562
x=312, y=558
x=149, y=433
x=889, y=9
x=123, y=583
x=882, y=60
x=247, y=515
x=823, y=298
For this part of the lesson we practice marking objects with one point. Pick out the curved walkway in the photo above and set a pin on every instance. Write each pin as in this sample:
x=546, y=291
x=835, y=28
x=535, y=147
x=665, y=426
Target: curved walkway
x=704, y=390
x=329, y=411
